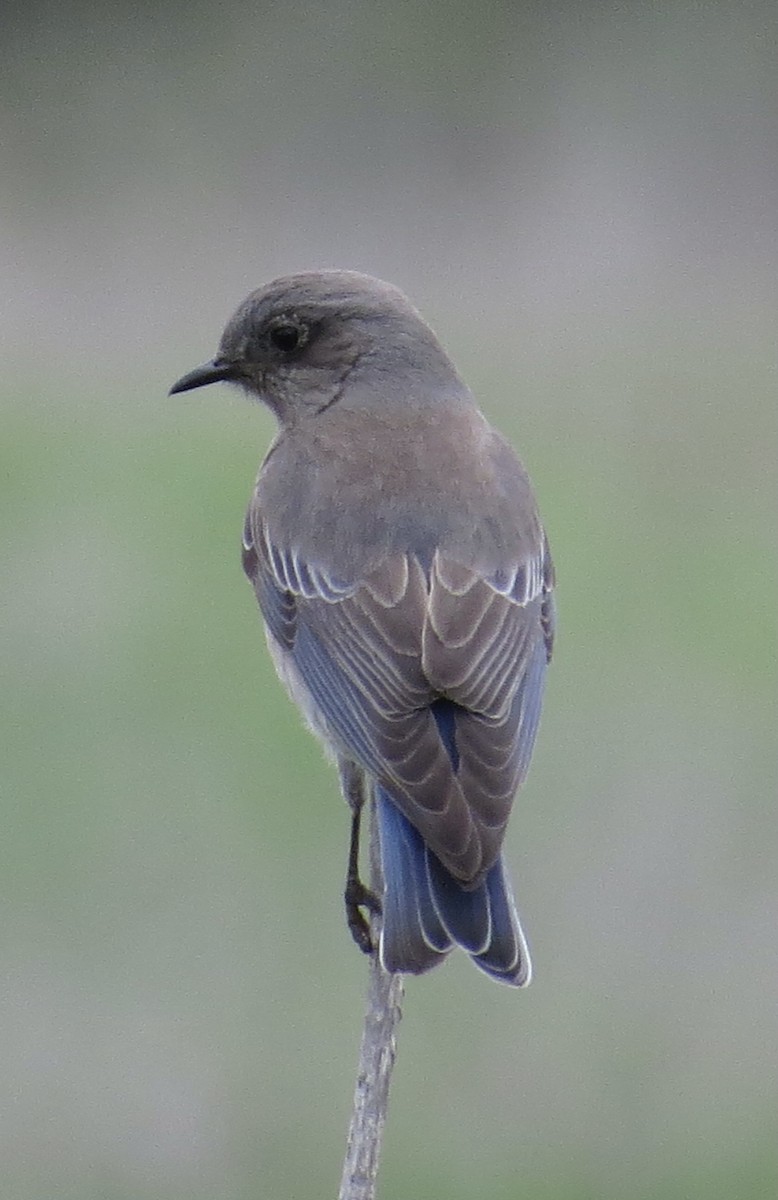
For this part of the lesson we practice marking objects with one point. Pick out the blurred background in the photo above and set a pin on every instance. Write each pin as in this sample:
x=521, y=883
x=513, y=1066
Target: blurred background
x=582, y=200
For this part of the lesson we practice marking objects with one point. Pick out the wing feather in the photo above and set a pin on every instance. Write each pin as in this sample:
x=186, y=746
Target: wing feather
x=372, y=656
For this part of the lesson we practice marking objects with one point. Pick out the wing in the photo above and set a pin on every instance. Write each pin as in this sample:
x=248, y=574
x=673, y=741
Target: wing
x=431, y=679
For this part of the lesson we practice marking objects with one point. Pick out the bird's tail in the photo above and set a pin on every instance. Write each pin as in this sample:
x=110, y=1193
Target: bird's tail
x=426, y=911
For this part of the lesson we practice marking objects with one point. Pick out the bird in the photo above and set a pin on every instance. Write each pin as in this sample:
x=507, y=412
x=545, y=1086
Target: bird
x=404, y=577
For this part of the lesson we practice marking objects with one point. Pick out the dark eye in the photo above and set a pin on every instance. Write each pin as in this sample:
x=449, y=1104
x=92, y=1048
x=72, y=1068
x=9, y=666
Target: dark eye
x=286, y=337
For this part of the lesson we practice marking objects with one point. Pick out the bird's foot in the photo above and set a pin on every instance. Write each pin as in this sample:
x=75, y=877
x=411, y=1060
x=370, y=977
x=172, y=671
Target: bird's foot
x=357, y=897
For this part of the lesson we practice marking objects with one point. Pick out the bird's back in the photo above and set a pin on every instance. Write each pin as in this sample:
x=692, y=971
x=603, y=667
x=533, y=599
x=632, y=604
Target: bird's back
x=367, y=484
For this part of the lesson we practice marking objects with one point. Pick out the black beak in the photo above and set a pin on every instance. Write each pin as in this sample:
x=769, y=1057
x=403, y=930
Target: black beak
x=215, y=371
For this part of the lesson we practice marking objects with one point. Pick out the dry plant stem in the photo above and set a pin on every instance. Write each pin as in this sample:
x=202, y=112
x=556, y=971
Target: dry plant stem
x=376, y=1060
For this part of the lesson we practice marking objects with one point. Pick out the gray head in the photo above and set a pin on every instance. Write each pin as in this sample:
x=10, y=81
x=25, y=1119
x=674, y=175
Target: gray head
x=295, y=343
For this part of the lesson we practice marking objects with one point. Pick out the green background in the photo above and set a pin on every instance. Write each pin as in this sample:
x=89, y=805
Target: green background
x=582, y=200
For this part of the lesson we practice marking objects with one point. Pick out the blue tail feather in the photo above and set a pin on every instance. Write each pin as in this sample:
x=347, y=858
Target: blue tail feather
x=412, y=937
x=426, y=911
x=465, y=912
x=507, y=956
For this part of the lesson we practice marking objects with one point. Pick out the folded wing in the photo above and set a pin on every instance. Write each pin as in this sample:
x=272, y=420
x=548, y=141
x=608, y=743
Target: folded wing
x=430, y=676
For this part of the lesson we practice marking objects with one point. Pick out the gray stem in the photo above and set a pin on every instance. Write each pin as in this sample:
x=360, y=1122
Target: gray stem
x=376, y=1059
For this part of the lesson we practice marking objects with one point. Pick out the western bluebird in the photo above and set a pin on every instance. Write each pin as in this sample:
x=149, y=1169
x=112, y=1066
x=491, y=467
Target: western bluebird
x=399, y=561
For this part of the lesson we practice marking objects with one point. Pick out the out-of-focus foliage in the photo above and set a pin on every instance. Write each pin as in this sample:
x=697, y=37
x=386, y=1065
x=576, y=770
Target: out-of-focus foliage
x=582, y=201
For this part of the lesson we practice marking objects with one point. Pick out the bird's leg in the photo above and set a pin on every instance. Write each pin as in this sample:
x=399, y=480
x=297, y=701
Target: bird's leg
x=356, y=895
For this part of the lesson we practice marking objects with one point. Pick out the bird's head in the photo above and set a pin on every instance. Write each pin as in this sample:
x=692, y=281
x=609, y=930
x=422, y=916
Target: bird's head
x=296, y=344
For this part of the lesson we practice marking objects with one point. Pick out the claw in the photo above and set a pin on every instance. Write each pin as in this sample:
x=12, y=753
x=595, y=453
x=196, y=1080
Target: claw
x=357, y=897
